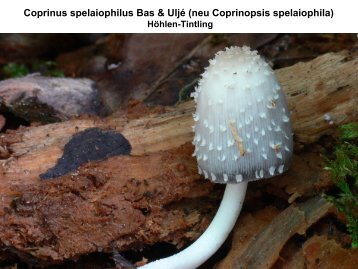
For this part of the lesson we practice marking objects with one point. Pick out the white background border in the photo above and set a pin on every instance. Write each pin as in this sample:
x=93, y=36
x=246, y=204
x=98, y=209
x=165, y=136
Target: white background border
x=12, y=17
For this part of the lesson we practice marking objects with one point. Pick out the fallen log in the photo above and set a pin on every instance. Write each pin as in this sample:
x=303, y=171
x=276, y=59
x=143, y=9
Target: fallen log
x=153, y=195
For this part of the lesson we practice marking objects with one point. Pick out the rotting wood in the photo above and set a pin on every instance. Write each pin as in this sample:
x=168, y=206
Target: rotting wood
x=313, y=89
x=265, y=246
x=121, y=203
x=321, y=252
x=35, y=210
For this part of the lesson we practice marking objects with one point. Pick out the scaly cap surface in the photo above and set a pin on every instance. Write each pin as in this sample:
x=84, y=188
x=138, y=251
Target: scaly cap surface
x=242, y=123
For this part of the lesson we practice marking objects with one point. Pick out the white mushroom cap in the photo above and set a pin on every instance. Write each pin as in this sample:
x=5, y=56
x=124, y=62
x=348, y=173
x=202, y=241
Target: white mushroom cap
x=242, y=123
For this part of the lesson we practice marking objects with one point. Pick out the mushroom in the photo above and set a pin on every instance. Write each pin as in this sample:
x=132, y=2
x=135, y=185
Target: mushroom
x=242, y=133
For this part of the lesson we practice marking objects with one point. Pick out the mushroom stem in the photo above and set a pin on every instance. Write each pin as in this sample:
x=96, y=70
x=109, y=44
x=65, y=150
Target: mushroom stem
x=214, y=236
